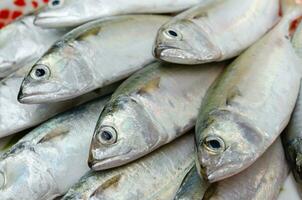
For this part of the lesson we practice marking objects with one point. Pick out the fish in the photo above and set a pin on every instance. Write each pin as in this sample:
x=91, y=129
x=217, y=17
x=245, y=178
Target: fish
x=249, y=105
x=51, y=158
x=77, y=12
x=150, y=109
x=262, y=180
x=193, y=187
x=22, y=44
x=155, y=176
x=91, y=56
x=11, y=10
x=16, y=117
x=216, y=32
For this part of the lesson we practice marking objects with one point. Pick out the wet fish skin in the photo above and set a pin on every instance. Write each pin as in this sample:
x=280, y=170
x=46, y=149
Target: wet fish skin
x=155, y=176
x=199, y=34
x=92, y=56
x=249, y=105
x=22, y=43
x=262, y=180
x=51, y=158
x=16, y=117
x=292, y=137
x=193, y=186
x=150, y=109
x=76, y=12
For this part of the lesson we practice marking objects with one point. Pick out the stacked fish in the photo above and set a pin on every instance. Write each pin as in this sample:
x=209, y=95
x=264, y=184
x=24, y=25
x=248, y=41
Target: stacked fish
x=98, y=100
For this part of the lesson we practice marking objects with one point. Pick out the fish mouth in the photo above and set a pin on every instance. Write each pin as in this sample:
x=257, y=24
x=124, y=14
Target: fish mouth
x=109, y=162
x=38, y=98
x=181, y=56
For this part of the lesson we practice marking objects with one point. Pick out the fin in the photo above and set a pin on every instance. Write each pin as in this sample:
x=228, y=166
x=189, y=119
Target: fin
x=112, y=182
x=150, y=86
x=55, y=133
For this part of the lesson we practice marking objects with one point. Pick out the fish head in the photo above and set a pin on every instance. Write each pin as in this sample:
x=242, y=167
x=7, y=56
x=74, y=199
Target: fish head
x=23, y=176
x=64, y=13
x=226, y=145
x=183, y=42
x=59, y=75
x=123, y=133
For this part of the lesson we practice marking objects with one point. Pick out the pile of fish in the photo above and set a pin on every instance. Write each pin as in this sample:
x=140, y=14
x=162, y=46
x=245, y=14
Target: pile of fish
x=151, y=100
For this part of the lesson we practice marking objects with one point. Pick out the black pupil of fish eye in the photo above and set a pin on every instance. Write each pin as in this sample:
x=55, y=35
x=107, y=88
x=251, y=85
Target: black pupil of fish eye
x=214, y=144
x=40, y=72
x=55, y=2
x=106, y=135
x=172, y=33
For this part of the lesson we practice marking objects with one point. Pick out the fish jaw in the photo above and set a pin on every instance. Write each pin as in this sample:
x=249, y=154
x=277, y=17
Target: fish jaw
x=180, y=56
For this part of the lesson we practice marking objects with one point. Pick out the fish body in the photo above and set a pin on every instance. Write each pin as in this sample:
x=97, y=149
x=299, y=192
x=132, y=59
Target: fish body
x=156, y=176
x=11, y=10
x=92, y=56
x=76, y=12
x=51, y=158
x=218, y=31
x=249, y=105
x=16, y=117
x=22, y=43
x=193, y=186
x=151, y=108
x=292, y=138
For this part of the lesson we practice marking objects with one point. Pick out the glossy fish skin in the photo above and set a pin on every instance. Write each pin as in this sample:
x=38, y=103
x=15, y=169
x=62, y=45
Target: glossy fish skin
x=249, y=105
x=150, y=109
x=292, y=137
x=219, y=31
x=155, y=176
x=51, y=158
x=16, y=117
x=262, y=180
x=76, y=12
x=22, y=43
x=92, y=56
x=193, y=187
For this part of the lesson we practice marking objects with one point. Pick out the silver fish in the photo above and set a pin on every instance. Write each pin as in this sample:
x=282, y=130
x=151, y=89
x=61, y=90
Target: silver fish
x=216, y=32
x=75, y=12
x=22, y=43
x=193, y=187
x=51, y=158
x=292, y=137
x=16, y=117
x=92, y=56
x=262, y=180
x=156, y=176
x=249, y=105
x=150, y=109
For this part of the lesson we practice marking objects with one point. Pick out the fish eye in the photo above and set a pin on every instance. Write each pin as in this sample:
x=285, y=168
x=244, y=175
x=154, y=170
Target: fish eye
x=107, y=135
x=2, y=180
x=173, y=34
x=214, y=144
x=55, y=3
x=40, y=72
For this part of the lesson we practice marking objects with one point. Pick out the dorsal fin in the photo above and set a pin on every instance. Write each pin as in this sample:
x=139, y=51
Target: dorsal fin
x=110, y=183
x=60, y=131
